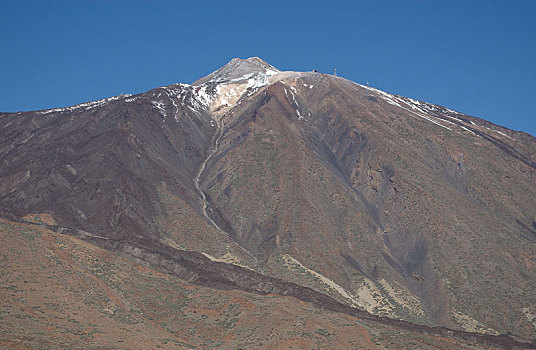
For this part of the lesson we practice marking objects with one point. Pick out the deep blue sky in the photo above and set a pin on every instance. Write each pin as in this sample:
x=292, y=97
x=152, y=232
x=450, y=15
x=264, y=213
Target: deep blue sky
x=477, y=57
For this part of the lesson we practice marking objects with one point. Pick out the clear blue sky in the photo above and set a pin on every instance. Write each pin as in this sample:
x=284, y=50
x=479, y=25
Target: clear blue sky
x=478, y=57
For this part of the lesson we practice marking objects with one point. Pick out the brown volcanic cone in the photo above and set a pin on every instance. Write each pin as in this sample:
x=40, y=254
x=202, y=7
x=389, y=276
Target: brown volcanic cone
x=399, y=207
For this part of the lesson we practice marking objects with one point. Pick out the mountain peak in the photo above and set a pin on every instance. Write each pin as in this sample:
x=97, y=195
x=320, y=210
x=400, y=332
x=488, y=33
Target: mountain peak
x=253, y=64
x=256, y=61
x=238, y=69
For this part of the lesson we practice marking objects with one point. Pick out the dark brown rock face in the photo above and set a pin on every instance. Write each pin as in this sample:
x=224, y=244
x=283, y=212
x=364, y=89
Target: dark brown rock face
x=95, y=168
x=403, y=208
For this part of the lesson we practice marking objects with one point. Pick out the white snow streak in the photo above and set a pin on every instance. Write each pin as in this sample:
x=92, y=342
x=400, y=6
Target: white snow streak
x=294, y=102
x=502, y=133
x=86, y=105
x=413, y=104
x=464, y=128
x=161, y=106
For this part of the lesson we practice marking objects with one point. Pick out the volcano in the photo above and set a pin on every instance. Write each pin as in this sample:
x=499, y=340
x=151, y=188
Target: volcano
x=298, y=186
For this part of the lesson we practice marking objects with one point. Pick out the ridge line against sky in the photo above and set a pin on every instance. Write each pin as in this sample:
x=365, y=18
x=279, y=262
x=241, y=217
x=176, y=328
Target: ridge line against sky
x=473, y=56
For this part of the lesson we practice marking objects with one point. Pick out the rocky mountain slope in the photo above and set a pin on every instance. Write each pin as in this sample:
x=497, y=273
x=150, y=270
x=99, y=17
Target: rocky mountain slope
x=368, y=200
x=61, y=292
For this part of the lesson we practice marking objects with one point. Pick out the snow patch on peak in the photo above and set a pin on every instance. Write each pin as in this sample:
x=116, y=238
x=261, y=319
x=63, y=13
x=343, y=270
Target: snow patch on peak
x=238, y=69
x=203, y=96
x=221, y=92
x=161, y=106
